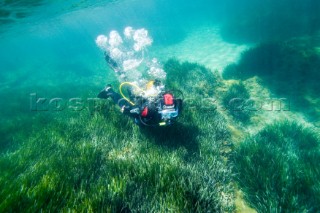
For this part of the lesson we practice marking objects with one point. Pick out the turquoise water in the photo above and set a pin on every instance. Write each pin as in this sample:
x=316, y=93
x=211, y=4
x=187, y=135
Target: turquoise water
x=96, y=159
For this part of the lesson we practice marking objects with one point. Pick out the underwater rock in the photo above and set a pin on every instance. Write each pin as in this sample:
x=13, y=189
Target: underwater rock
x=290, y=69
x=286, y=61
x=236, y=102
x=17, y=9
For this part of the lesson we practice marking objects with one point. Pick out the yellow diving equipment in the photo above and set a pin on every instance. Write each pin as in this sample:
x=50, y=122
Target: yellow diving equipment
x=130, y=84
x=149, y=85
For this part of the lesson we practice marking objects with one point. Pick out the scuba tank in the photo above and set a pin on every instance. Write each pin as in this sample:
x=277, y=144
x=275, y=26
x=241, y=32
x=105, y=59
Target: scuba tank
x=160, y=111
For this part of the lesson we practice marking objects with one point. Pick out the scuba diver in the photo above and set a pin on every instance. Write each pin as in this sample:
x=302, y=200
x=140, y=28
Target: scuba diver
x=153, y=106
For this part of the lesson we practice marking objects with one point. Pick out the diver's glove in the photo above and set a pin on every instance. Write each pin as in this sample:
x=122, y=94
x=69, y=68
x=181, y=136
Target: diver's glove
x=125, y=109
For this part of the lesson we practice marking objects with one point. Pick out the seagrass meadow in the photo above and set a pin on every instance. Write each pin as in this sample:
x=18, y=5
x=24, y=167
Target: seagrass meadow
x=247, y=138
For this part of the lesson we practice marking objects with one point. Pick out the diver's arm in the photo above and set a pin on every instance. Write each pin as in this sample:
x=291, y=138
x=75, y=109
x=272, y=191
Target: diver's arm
x=111, y=63
x=130, y=111
x=125, y=110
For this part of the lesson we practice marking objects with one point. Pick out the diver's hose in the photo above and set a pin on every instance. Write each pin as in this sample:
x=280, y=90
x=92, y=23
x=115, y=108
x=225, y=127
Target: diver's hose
x=131, y=84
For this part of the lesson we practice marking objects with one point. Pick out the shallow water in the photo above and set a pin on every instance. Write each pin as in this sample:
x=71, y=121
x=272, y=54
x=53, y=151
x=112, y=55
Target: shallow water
x=48, y=48
x=59, y=38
